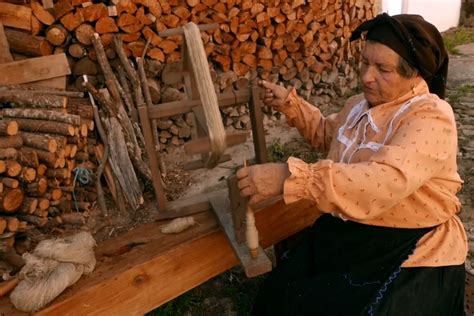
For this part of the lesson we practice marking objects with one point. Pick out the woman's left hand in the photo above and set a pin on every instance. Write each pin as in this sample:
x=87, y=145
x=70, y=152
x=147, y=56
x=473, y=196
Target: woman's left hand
x=260, y=182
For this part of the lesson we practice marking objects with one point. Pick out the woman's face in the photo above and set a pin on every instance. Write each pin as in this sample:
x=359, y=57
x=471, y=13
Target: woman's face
x=381, y=81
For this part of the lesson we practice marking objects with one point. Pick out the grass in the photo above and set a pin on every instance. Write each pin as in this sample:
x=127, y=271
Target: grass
x=459, y=92
x=299, y=148
x=458, y=36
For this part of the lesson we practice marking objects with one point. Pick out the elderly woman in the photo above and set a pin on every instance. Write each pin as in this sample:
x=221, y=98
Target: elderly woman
x=388, y=241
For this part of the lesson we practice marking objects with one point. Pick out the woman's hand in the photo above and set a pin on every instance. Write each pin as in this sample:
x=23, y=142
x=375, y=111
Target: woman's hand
x=260, y=182
x=275, y=95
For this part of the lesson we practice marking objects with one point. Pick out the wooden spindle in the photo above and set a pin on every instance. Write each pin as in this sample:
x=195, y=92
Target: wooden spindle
x=251, y=232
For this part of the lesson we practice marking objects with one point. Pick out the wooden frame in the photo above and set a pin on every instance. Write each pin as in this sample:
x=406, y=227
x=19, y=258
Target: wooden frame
x=194, y=104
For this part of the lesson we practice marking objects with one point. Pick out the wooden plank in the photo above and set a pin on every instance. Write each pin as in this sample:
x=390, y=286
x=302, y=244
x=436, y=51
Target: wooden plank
x=150, y=269
x=179, y=107
x=184, y=207
x=197, y=164
x=16, y=16
x=258, y=132
x=5, y=56
x=53, y=83
x=203, y=144
x=34, y=69
x=252, y=266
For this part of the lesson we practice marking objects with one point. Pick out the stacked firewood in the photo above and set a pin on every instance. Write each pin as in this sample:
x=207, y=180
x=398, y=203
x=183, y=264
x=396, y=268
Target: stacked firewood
x=47, y=161
x=302, y=43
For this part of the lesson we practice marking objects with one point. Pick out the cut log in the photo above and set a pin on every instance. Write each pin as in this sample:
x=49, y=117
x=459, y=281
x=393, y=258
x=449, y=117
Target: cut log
x=37, y=125
x=28, y=158
x=84, y=33
x=85, y=66
x=129, y=23
x=27, y=44
x=3, y=166
x=10, y=182
x=37, y=188
x=41, y=13
x=42, y=115
x=8, y=153
x=39, y=141
x=13, y=224
x=28, y=175
x=57, y=35
x=77, y=50
x=72, y=20
x=11, y=200
x=11, y=141
x=61, y=8
x=49, y=159
x=16, y=16
x=73, y=218
x=29, y=205
x=32, y=99
x=13, y=168
x=8, y=127
x=3, y=225
x=94, y=12
x=35, y=220
x=106, y=25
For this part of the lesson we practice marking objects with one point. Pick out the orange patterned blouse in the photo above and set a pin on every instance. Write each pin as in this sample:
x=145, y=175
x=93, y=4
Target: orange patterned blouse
x=391, y=165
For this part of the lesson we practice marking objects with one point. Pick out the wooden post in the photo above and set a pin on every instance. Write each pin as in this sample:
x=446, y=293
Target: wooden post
x=150, y=148
x=256, y=118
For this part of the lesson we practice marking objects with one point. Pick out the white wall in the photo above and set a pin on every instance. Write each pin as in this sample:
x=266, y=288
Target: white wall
x=444, y=14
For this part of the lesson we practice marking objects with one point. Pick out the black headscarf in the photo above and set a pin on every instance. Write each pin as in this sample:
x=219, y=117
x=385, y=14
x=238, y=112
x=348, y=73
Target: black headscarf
x=414, y=39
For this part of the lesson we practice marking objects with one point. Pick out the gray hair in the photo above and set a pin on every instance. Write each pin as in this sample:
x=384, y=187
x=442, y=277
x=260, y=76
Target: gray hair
x=405, y=69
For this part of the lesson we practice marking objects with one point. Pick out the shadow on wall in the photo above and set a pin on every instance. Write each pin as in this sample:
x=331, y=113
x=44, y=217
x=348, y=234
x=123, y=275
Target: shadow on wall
x=444, y=14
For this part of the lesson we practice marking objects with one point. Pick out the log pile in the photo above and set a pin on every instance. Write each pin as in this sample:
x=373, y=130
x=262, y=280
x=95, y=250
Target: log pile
x=300, y=43
x=47, y=162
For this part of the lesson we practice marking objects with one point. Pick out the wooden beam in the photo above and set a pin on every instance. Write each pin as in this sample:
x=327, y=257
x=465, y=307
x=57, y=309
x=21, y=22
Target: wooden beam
x=144, y=269
x=197, y=164
x=203, y=144
x=184, y=207
x=34, y=69
x=179, y=107
x=16, y=16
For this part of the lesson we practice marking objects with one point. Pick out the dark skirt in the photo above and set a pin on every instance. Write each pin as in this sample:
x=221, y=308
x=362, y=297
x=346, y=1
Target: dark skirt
x=347, y=268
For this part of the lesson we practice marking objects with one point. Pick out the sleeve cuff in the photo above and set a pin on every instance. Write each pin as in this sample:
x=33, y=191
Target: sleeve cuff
x=305, y=181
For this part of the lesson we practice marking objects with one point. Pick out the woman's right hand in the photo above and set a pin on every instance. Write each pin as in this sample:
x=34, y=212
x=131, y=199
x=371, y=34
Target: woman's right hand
x=275, y=95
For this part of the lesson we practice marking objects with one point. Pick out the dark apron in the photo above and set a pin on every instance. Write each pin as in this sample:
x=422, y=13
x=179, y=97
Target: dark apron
x=347, y=268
